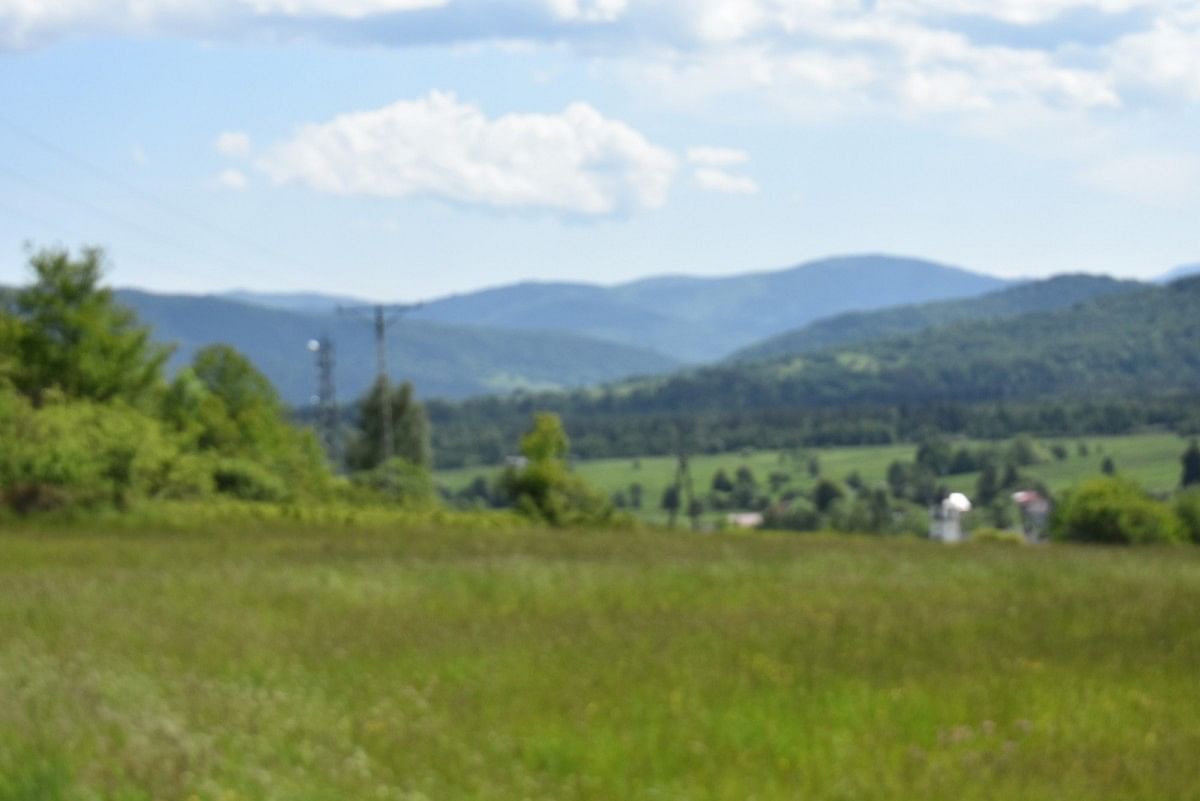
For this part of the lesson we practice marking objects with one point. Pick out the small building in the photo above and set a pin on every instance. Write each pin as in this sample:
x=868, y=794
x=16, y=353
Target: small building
x=946, y=518
x=1035, y=514
x=745, y=519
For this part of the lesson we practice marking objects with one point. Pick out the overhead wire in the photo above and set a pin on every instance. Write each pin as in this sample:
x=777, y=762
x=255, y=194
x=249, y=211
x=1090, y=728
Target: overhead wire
x=157, y=203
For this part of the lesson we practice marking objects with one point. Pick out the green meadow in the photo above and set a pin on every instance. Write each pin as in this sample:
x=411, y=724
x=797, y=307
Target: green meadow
x=296, y=662
x=1152, y=460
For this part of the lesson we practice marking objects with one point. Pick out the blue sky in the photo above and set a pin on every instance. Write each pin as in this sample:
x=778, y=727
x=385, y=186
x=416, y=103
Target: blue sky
x=405, y=149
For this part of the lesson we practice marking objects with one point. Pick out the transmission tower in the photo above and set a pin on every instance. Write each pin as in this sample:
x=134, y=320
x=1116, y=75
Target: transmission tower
x=383, y=316
x=685, y=495
x=326, y=397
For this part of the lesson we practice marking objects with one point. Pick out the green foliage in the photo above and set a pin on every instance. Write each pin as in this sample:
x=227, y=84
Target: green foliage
x=1082, y=369
x=400, y=481
x=545, y=489
x=1187, y=509
x=70, y=336
x=223, y=406
x=995, y=536
x=1114, y=511
x=1191, y=465
x=86, y=422
x=410, y=428
x=83, y=454
x=547, y=440
x=247, y=480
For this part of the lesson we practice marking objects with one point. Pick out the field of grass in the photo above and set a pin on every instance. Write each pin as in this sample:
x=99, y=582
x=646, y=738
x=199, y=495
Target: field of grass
x=308, y=664
x=1150, y=459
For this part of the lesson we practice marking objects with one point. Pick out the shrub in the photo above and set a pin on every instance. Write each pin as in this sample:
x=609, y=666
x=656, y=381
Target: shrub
x=79, y=453
x=995, y=536
x=796, y=515
x=247, y=481
x=398, y=480
x=1114, y=511
x=1187, y=509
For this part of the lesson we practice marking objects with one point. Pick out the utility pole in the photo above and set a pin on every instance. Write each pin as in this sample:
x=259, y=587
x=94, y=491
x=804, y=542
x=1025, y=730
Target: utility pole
x=326, y=398
x=384, y=316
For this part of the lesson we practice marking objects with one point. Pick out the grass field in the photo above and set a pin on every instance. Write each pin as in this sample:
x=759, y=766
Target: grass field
x=1151, y=459
x=435, y=664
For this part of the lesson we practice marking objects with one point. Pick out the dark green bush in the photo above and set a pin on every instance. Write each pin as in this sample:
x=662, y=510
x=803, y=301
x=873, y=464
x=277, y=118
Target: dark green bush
x=1114, y=511
x=247, y=481
x=398, y=480
x=1187, y=509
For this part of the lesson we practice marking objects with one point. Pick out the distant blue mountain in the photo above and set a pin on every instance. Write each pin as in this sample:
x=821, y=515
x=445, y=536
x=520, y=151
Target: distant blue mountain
x=441, y=360
x=1183, y=271
x=702, y=319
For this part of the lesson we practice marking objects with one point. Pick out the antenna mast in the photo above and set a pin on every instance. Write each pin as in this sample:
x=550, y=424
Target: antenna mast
x=381, y=320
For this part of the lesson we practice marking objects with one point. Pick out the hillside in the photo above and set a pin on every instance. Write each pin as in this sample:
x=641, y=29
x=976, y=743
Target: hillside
x=441, y=360
x=1121, y=349
x=703, y=319
x=1121, y=344
x=852, y=327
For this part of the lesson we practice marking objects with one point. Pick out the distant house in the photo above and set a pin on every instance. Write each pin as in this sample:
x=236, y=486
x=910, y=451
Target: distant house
x=1035, y=514
x=745, y=519
x=516, y=462
x=946, y=518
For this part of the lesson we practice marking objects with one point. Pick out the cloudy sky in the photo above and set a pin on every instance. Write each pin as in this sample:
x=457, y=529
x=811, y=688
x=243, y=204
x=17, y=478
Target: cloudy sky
x=404, y=149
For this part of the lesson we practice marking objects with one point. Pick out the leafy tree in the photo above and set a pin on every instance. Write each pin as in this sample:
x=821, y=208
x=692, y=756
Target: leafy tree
x=1114, y=511
x=721, y=482
x=69, y=334
x=1191, y=465
x=1108, y=467
x=670, y=501
x=1187, y=509
x=410, y=428
x=826, y=493
x=545, y=488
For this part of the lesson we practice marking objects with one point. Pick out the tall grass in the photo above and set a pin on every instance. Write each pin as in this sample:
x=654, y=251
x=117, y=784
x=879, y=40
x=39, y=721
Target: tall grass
x=258, y=661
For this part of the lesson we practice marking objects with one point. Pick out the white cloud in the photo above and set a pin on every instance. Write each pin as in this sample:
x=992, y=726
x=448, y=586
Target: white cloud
x=344, y=9
x=716, y=180
x=233, y=143
x=814, y=58
x=1165, y=58
x=716, y=156
x=576, y=161
x=588, y=10
x=232, y=179
x=25, y=23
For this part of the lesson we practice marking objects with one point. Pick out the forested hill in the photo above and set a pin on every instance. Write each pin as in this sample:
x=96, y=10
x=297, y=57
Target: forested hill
x=1050, y=294
x=441, y=360
x=699, y=319
x=1126, y=345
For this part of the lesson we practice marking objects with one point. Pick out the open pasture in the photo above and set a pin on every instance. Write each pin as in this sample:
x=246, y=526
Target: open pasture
x=1151, y=459
x=308, y=664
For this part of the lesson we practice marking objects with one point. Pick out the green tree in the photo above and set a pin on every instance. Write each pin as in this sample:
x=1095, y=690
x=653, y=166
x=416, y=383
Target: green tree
x=1191, y=465
x=545, y=488
x=70, y=335
x=410, y=428
x=826, y=493
x=1114, y=511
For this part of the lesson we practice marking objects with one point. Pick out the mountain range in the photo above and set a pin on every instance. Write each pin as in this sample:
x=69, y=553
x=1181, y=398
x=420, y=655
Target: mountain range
x=846, y=329
x=1125, y=343
x=692, y=319
x=558, y=336
x=441, y=360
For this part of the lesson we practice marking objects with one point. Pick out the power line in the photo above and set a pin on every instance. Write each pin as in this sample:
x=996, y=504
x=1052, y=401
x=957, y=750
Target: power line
x=382, y=320
x=143, y=230
x=155, y=201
